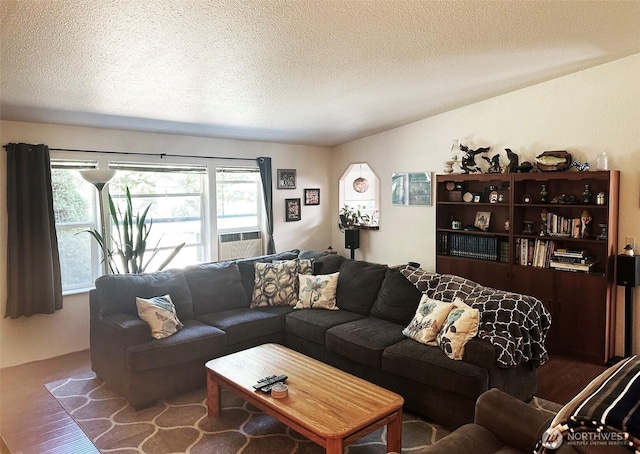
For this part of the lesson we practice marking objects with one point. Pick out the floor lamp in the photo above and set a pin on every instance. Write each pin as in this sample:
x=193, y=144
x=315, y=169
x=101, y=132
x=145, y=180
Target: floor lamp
x=99, y=178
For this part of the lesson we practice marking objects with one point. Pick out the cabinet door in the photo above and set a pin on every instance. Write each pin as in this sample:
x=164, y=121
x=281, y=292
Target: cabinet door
x=491, y=274
x=580, y=302
x=540, y=283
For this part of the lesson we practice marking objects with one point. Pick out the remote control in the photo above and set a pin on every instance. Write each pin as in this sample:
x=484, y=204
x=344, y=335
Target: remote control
x=265, y=384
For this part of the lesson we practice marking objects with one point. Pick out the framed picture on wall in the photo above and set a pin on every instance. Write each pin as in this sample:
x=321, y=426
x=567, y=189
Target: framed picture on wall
x=286, y=178
x=312, y=196
x=292, y=210
x=411, y=188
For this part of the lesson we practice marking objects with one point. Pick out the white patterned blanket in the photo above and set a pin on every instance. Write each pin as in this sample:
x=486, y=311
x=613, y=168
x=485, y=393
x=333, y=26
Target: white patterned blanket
x=516, y=324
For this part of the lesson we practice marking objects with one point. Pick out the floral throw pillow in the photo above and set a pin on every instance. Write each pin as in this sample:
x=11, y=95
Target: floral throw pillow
x=160, y=313
x=318, y=292
x=428, y=321
x=275, y=284
x=460, y=326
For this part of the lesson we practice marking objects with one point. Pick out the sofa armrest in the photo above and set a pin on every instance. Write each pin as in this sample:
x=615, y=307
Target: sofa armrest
x=129, y=329
x=516, y=423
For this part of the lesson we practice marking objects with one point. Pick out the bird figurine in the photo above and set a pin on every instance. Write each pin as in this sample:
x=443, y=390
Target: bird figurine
x=514, y=160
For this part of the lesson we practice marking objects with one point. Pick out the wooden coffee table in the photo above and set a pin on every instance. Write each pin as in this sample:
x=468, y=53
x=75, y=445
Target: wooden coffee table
x=326, y=405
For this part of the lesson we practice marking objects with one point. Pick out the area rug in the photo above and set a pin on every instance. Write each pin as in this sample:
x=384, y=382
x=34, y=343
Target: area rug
x=181, y=425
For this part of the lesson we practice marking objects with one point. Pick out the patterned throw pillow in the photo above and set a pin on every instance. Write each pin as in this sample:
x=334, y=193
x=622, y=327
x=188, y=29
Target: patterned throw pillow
x=318, y=292
x=160, y=313
x=304, y=266
x=460, y=326
x=428, y=321
x=275, y=284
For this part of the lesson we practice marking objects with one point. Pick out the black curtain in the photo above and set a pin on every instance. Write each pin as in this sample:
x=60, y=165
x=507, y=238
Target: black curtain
x=34, y=283
x=267, y=189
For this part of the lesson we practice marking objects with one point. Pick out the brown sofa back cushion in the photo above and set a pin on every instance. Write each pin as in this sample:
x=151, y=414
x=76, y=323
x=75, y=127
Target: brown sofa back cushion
x=358, y=285
x=118, y=292
x=397, y=300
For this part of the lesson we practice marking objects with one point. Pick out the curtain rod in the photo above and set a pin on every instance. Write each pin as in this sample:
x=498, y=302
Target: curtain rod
x=161, y=155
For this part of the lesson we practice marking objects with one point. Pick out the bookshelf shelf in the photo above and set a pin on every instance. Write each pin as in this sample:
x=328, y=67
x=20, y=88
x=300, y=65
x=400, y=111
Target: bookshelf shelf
x=581, y=302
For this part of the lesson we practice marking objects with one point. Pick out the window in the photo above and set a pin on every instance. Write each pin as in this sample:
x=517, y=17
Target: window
x=238, y=193
x=176, y=195
x=360, y=190
x=75, y=208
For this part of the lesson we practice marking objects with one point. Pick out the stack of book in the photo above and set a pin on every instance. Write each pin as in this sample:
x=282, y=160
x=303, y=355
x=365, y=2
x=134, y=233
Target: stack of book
x=530, y=252
x=577, y=260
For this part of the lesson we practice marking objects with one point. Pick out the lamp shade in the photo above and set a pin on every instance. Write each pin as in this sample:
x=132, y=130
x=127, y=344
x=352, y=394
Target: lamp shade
x=97, y=176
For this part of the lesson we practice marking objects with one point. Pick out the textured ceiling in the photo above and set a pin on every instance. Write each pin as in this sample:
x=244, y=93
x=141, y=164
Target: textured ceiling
x=298, y=71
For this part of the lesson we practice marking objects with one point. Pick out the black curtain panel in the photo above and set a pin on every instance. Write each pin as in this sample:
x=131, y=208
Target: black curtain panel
x=34, y=284
x=267, y=189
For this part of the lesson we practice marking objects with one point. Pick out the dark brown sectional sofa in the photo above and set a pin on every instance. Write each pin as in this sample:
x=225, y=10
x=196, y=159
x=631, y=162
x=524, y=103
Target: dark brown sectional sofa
x=364, y=337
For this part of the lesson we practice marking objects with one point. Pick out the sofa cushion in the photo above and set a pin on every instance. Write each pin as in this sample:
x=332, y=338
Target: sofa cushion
x=429, y=365
x=160, y=314
x=364, y=340
x=313, y=325
x=215, y=287
x=428, y=321
x=358, y=285
x=247, y=270
x=196, y=340
x=118, y=292
x=324, y=263
x=397, y=300
x=460, y=326
x=243, y=325
x=317, y=292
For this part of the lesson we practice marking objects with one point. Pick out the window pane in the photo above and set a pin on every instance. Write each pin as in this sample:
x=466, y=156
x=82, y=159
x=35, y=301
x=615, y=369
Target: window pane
x=174, y=216
x=75, y=256
x=238, y=199
x=72, y=197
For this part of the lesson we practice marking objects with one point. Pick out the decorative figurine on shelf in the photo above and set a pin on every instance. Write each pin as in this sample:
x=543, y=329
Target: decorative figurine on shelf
x=507, y=225
x=586, y=195
x=580, y=166
x=543, y=222
x=494, y=164
x=628, y=250
x=513, y=160
x=544, y=194
x=528, y=227
x=585, y=224
x=603, y=231
x=469, y=159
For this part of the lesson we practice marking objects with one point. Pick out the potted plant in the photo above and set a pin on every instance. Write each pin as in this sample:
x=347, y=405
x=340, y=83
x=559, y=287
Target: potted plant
x=351, y=218
x=131, y=240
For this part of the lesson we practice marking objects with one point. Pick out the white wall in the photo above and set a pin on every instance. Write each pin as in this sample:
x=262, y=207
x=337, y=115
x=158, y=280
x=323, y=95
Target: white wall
x=44, y=336
x=584, y=113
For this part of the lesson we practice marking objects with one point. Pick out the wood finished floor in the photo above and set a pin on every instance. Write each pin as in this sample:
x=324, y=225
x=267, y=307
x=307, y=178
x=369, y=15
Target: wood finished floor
x=32, y=421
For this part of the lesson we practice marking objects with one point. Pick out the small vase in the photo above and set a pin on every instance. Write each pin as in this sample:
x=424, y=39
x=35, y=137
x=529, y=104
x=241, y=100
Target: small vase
x=602, y=161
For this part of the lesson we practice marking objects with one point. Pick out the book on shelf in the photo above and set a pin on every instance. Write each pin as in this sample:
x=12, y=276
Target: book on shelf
x=576, y=253
x=566, y=266
x=473, y=246
x=537, y=253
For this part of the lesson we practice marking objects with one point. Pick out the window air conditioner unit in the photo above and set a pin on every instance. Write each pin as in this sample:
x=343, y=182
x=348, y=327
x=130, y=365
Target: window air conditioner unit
x=233, y=246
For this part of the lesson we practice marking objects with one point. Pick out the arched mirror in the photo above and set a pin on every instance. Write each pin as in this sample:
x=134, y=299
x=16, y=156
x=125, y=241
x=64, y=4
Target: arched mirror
x=360, y=191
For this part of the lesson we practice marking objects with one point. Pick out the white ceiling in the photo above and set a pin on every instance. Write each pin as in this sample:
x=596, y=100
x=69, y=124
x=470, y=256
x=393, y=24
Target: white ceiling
x=319, y=72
